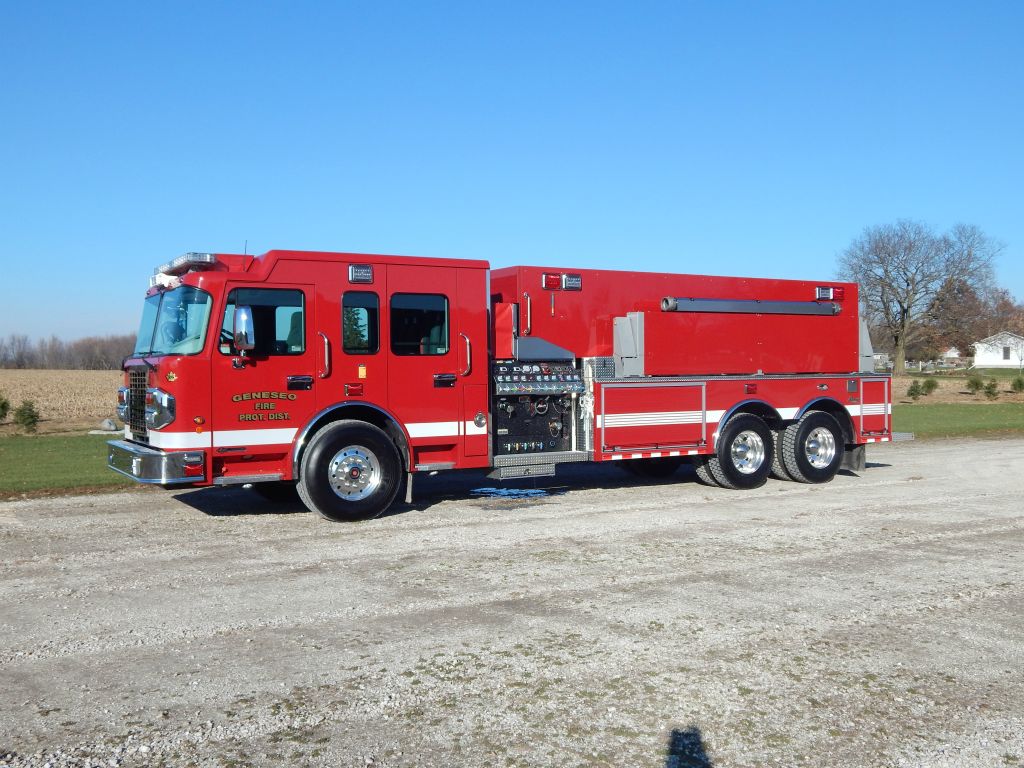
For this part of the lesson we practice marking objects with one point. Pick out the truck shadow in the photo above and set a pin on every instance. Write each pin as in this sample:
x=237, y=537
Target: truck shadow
x=466, y=485
x=233, y=502
x=686, y=750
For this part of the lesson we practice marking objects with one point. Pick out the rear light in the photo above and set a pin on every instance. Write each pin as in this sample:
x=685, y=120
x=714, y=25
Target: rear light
x=830, y=293
x=551, y=282
x=159, y=408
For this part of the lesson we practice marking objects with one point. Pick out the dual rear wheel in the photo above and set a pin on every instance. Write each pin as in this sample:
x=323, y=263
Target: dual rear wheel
x=807, y=451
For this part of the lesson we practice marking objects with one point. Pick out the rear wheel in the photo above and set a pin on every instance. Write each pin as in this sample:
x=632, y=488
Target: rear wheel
x=350, y=471
x=700, y=464
x=812, y=449
x=779, y=471
x=743, y=456
x=653, y=469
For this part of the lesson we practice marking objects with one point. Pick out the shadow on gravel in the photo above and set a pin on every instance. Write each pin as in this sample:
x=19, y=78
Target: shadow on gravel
x=472, y=486
x=686, y=750
x=230, y=502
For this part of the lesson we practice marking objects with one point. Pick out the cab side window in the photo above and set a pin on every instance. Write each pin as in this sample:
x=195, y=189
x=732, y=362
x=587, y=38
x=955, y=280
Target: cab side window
x=279, y=318
x=419, y=324
x=360, y=323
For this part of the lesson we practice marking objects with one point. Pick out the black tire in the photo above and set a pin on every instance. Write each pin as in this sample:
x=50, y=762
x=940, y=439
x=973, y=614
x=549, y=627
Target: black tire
x=279, y=492
x=743, y=456
x=779, y=471
x=812, y=449
x=700, y=464
x=350, y=471
x=658, y=468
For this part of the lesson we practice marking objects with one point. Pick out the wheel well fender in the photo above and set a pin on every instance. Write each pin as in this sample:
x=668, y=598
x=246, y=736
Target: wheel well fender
x=834, y=409
x=757, y=408
x=357, y=411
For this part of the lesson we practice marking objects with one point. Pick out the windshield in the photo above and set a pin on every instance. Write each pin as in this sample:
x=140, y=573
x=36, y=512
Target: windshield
x=174, y=322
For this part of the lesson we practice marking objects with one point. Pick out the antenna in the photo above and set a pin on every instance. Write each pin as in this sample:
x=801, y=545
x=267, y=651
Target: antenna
x=245, y=250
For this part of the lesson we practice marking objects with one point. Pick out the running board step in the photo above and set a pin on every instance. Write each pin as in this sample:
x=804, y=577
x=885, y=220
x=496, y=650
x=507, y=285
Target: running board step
x=528, y=470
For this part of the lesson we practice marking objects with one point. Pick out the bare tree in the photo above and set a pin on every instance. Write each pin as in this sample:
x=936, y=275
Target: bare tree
x=902, y=267
x=19, y=351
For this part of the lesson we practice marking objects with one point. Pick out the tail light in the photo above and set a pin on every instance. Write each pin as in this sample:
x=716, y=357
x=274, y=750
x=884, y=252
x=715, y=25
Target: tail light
x=831, y=293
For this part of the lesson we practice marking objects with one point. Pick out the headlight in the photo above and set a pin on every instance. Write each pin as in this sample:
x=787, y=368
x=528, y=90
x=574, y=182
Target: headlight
x=123, y=400
x=159, y=408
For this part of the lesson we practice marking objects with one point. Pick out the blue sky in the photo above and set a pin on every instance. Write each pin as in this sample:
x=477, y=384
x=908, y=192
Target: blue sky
x=728, y=138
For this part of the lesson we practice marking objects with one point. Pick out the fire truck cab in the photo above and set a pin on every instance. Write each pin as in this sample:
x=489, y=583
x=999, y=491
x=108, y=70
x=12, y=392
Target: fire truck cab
x=338, y=375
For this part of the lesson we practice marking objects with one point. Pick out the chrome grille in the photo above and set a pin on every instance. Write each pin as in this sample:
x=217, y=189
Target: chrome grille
x=137, y=380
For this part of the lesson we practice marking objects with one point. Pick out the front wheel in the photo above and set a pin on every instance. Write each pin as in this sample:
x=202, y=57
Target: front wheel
x=743, y=455
x=350, y=471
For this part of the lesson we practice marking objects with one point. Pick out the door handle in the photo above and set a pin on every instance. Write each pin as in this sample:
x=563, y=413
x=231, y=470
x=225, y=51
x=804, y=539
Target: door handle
x=442, y=380
x=327, y=356
x=300, y=382
x=529, y=314
x=469, y=355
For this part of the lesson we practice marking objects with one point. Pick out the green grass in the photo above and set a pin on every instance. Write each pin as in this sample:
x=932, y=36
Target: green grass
x=985, y=373
x=36, y=463
x=959, y=419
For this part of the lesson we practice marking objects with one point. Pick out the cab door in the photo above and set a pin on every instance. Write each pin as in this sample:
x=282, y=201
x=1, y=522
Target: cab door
x=437, y=362
x=260, y=399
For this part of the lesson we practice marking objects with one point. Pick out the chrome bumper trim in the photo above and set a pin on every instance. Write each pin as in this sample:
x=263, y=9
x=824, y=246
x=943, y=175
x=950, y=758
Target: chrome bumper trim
x=146, y=465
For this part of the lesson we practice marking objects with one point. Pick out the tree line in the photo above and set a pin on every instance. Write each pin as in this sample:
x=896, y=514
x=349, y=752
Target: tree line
x=924, y=291
x=90, y=353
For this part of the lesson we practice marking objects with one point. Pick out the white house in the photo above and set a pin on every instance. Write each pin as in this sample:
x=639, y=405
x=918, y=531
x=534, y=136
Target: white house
x=1003, y=350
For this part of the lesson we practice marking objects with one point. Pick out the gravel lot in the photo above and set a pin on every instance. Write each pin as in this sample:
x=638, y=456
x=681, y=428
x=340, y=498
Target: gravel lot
x=874, y=621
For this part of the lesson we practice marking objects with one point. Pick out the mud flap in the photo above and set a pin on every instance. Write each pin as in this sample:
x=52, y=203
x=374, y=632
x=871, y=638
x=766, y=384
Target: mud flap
x=855, y=458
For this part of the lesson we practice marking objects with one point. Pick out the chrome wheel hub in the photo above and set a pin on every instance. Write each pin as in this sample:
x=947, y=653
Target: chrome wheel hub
x=354, y=473
x=820, y=448
x=747, y=452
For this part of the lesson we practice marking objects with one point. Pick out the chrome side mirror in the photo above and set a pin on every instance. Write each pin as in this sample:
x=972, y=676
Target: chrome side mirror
x=244, y=330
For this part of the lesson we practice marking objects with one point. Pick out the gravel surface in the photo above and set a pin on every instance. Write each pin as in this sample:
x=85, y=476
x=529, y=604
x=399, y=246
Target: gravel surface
x=590, y=620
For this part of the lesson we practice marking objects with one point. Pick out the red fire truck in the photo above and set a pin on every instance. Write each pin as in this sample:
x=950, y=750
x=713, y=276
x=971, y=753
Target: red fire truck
x=338, y=375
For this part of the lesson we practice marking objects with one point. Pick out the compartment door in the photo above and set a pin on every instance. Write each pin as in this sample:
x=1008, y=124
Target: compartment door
x=875, y=407
x=651, y=416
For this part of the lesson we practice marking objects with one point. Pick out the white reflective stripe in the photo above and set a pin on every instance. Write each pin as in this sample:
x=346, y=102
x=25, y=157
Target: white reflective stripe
x=232, y=437
x=673, y=453
x=616, y=456
x=473, y=429
x=434, y=429
x=178, y=440
x=854, y=410
x=715, y=416
x=788, y=413
x=651, y=418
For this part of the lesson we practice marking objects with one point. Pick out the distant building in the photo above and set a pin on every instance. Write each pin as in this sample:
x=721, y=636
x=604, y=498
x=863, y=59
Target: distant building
x=1003, y=350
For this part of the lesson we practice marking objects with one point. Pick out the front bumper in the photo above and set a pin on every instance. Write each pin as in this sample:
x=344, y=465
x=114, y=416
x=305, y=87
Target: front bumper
x=147, y=465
